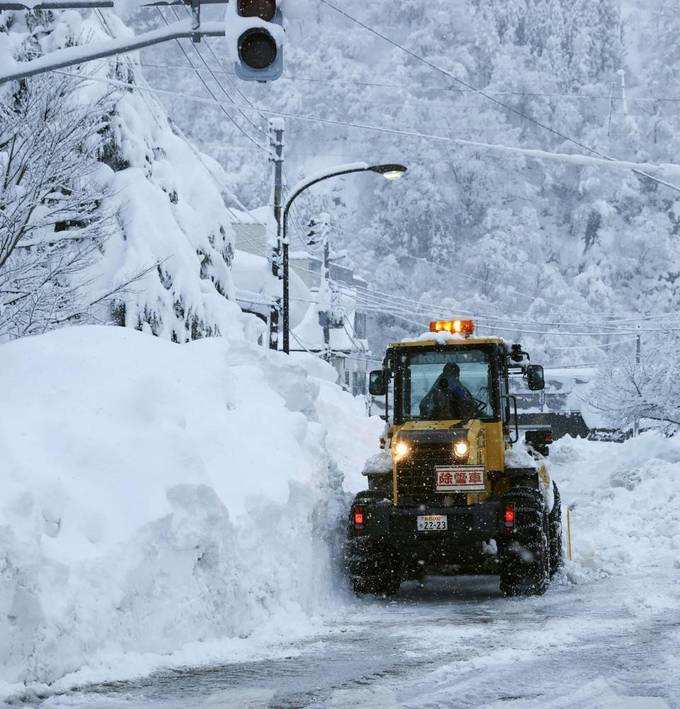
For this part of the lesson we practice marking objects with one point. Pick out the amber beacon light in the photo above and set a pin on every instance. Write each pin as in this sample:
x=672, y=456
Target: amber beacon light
x=455, y=327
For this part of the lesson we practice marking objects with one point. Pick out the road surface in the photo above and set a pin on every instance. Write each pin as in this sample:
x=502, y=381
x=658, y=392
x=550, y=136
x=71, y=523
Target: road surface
x=453, y=643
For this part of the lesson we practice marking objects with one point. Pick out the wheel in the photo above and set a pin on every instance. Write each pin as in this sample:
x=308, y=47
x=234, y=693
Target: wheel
x=525, y=557
x=375, y=570
x=555, y=532
x=373, y=566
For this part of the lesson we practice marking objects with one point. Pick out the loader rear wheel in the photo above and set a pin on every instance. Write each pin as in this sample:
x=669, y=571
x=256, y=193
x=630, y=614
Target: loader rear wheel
x=525, y=557
x=555, y=530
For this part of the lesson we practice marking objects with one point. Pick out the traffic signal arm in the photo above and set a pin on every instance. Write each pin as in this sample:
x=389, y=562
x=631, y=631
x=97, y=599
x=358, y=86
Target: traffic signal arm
x=70, y=56
x=255, y=28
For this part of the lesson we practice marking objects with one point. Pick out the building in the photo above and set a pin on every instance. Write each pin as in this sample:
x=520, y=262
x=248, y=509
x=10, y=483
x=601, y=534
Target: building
x=257, y=290
x=346, y=347
x=564, y=405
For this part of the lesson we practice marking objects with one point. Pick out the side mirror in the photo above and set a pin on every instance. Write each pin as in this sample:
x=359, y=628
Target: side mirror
x=377, y=382
x=535, y=377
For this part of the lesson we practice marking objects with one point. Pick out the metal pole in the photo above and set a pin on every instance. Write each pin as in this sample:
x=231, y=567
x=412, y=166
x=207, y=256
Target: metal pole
x=297, y=191
x=196, y=20
x=638, y=353
x=286, y=297
x=71, y=56
x=570, y=545
x=276, y=144
x=326, y=285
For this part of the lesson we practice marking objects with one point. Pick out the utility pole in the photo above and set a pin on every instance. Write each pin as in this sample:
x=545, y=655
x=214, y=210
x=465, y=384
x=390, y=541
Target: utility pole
x=638, y=358
x=196, y=20
x=317, y=238
x=327, y=293
x=278, y=268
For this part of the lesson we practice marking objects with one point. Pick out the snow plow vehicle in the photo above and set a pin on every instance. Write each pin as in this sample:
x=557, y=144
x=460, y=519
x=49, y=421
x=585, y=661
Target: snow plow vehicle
x=454, y=489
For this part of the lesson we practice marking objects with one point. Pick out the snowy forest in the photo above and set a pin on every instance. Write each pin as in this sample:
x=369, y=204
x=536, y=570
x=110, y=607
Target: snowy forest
x=476, y=230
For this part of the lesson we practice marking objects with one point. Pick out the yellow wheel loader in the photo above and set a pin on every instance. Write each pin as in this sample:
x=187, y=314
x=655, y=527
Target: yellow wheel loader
x=454, y=489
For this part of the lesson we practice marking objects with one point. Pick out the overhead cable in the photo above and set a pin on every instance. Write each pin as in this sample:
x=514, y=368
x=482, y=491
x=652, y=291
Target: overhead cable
x=488, y=96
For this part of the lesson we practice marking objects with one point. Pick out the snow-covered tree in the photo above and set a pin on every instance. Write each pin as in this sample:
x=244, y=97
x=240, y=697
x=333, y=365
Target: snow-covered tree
x=52, y=225
x=627, y=391
x=166, y=205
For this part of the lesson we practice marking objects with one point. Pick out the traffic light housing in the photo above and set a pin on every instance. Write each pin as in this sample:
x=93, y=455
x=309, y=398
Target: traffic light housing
x=257, y=30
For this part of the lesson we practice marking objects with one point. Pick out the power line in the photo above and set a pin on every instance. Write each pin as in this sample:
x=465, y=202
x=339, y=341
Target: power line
x=599, y=346
x=582, y=160
x=214, y=56
x=488, y=96
x=492, y=323
x=214, y=77
x=525, y=94
x=586, y=319
x=210, y=91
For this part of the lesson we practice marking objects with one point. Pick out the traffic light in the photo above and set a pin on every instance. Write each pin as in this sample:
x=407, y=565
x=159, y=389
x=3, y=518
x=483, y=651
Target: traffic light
x=258, y=33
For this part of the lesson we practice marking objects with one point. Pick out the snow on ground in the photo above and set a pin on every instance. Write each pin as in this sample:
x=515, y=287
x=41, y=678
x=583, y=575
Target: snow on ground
x=164, y=504
x=626, y=516
x=173, y=505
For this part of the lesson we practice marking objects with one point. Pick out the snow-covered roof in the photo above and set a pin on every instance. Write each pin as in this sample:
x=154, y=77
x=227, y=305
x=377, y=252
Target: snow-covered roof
x=253, y=278
x=309, y=334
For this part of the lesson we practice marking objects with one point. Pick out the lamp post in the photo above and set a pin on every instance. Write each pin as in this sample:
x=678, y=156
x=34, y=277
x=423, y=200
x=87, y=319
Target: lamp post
x=389, y=172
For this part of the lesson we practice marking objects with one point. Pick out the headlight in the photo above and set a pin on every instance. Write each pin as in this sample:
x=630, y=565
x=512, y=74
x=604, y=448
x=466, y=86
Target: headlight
x=460, y=449
x=400, y=450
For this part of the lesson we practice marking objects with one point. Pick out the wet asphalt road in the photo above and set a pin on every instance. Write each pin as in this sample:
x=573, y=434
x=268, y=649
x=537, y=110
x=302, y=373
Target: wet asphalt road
x=453, y=643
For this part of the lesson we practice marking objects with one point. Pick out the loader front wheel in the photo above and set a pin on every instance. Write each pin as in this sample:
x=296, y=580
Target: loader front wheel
x=375, y=570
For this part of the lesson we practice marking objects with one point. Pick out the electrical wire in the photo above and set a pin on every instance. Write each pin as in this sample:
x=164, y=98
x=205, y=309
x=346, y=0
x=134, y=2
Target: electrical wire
x=600, y=346
x=494, y=326
x=489, y=97
x=525, y=152
x=212, y=94
x=524, y=94
x=219, y=103
x=214, y=77
x=610, y=322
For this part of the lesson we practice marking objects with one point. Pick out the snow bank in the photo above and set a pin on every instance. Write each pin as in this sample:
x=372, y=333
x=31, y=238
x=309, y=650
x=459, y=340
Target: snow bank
x=626, y=515
x=161, y=499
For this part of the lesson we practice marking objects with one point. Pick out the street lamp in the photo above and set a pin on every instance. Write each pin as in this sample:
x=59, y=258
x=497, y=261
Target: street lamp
x=389, y=172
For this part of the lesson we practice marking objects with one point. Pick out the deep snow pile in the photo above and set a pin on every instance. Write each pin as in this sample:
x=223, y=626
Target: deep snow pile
x=162, y=498
x=626, y=515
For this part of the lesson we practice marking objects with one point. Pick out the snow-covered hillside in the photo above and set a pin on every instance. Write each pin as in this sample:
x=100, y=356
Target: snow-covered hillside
x=165, y=504
x=469, y=229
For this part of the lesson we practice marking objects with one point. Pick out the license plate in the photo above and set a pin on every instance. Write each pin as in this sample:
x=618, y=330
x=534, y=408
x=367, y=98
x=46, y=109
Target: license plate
x=432, y=523
x=460, y=478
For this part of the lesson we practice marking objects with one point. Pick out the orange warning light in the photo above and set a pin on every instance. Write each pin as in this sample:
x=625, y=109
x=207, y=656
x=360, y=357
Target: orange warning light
x=455, y=327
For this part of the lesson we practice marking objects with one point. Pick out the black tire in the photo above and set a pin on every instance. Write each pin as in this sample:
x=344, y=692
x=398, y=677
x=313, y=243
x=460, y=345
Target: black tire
x=373, y=567
x=374, y=570
x=555, y=532
x=525, y=557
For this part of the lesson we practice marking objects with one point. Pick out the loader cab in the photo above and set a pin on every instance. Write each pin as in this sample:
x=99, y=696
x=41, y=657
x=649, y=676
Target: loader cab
x=446, y=382
x=414, y=371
